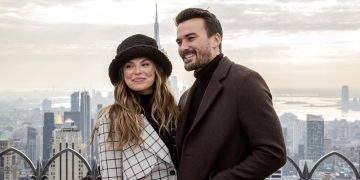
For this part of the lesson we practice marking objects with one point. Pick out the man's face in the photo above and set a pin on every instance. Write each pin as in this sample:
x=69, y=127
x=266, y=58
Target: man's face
x=194, y=46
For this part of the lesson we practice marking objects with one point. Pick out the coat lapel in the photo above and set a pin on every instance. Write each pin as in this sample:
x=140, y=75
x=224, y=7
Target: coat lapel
x=212, y=90
x=154, y=143
x=138, y=161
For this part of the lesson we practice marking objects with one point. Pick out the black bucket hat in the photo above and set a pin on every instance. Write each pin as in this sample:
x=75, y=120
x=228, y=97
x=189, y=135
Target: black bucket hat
x=135, y=46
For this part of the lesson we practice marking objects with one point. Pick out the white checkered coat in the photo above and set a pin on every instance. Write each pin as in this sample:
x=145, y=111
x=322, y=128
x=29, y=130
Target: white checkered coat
x=150, y=160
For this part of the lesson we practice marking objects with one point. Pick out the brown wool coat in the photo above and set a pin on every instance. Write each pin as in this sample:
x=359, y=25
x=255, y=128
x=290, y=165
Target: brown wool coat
x=236, y=133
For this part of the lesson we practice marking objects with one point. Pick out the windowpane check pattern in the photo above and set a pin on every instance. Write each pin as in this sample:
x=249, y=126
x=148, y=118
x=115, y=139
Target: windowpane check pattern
x=151, y=160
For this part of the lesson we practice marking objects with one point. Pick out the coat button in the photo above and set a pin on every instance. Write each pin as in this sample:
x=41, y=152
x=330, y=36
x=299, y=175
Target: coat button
x=172, y=172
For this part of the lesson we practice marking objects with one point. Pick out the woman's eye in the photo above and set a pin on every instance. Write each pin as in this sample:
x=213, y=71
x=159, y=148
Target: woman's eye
x=127, y=66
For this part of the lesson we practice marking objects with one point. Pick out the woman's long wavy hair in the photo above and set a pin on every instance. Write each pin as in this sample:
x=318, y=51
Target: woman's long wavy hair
x=125, y=120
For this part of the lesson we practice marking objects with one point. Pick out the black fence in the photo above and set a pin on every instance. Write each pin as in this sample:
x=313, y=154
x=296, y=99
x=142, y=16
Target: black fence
x=39, y=172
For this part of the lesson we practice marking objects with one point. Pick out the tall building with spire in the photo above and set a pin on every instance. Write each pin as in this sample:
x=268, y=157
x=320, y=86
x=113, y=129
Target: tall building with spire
x=172, y=81
x=156, y=30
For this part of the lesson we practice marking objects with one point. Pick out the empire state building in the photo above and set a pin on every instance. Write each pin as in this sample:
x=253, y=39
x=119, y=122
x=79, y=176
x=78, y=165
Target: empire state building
x=156, y=31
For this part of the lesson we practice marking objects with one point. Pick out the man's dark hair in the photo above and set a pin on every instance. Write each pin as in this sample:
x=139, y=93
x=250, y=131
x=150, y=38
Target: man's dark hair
x=212, y=24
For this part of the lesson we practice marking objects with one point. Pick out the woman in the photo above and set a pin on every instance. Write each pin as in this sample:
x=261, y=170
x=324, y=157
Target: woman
x=134, y=134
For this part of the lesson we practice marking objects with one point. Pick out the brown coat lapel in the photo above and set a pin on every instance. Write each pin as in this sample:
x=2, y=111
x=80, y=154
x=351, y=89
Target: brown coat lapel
x=213, y=89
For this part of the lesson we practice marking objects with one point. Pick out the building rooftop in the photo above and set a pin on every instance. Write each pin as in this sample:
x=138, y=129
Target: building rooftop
x=5, y=136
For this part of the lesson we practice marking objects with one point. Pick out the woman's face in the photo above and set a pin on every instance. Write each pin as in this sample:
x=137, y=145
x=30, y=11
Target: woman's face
x=139, y=75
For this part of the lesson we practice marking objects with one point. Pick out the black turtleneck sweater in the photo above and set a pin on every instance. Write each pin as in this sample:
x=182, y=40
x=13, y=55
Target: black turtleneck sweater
x=202, y=80
x=167, y=138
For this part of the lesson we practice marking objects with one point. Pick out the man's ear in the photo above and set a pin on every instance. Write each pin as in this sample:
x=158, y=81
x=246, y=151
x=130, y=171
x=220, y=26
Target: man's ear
x=217, y=40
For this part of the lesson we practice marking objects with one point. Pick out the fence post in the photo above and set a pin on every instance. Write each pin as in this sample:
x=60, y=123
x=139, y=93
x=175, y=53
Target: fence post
x=306, y=172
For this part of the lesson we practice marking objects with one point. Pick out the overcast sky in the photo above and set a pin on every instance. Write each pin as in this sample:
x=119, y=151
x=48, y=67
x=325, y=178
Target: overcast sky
x=68, y=44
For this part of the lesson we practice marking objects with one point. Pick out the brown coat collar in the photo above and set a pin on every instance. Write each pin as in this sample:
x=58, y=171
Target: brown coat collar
x=213, y=89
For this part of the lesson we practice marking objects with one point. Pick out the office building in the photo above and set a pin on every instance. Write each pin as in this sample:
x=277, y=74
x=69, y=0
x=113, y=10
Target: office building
x=67, y=166
x=31, y=145
x=75, y=102
x=315, y=137
x=46, y=105
x=8, y=170
x=85, y=116
x=49, y=126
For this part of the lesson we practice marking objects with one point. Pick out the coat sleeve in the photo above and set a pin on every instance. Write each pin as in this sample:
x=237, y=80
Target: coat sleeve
x=261, y=125
x=183, y=99
x=110, y=159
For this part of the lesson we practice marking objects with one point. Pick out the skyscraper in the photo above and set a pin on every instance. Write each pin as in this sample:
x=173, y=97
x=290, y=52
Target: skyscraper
x=315, y=137
x=93, y=155
x=31, y=143
x=301, y=151
x=67, y=166
x=345, y=98
x=285, y=134
x=75, y=101
x=8, y=170
x=85, y=116
x=156, y=30
x=174, y=87
x=327, y=145
x=46, y=105
x=49, y=126
x=156, y=27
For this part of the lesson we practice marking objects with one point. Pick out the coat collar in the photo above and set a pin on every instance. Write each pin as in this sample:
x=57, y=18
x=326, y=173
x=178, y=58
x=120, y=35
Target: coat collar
x=213, y=89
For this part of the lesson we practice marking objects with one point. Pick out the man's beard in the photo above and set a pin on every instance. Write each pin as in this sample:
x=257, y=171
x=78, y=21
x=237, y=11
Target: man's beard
x=201, y=60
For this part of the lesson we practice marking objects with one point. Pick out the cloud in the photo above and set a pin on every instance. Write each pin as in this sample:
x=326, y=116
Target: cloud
x=272, y=37
x=52, y=39
x=289, y=17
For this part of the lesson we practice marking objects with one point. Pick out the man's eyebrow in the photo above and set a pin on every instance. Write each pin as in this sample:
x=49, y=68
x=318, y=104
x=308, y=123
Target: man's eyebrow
x=190, y=34
x=186, y=35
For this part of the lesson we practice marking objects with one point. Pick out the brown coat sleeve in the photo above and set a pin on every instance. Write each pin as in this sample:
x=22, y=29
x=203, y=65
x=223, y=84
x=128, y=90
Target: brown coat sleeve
x=183, y=99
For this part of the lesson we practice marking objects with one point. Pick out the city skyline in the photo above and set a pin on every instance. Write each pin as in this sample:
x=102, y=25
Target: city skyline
x=69, y=44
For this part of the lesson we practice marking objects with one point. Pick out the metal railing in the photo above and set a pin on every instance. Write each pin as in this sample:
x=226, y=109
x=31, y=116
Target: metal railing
x=307, y=174
x=39, y=172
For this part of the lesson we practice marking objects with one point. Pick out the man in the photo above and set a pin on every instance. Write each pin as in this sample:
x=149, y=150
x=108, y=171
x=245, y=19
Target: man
x=228, y=128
